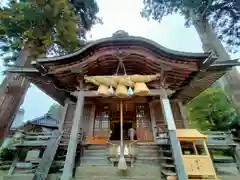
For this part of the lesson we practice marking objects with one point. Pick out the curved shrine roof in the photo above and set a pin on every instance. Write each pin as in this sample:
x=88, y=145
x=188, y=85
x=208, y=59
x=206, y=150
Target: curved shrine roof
x=59, y=76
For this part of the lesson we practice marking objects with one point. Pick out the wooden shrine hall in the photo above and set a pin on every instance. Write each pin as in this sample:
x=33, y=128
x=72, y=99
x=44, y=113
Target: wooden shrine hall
x=122, y=82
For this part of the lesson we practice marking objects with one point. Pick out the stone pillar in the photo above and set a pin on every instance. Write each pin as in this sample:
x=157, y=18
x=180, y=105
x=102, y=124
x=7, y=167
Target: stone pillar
x=169, y=120
x=73, y=141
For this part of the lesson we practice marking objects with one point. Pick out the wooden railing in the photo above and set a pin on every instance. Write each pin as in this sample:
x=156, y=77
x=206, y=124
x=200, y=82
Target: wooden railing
x=30, y=165
x=5, y=165
x=31, y=138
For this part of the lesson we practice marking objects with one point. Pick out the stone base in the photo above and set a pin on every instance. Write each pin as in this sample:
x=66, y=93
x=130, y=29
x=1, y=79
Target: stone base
x=112, y=173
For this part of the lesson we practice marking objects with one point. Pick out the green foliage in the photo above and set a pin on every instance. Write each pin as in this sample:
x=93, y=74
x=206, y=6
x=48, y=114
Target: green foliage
x=7, y=154
x=224, y=15
x=211, y=110
x=87, y=10
x=46, y=25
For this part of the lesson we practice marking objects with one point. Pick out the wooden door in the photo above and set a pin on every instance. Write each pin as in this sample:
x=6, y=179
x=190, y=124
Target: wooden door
x=87, y=114
x=144, y=127
x=101, y=123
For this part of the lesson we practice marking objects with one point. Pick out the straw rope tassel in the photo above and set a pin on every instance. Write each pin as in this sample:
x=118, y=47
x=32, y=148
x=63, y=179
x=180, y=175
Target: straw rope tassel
x=122, y=165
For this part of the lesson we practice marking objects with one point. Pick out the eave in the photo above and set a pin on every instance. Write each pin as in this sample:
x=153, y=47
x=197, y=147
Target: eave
x=45, y=83
x=141, y=56
x=129, y=41
x=187, y=74
x=197, y=83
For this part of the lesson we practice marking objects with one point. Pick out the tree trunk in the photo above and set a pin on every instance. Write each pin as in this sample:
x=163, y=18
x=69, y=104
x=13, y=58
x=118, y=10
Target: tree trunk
x=12, y=93
x=211, y=43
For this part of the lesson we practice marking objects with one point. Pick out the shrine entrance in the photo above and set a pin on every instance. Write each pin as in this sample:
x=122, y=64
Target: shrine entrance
x=135, y=115
x=129, y=120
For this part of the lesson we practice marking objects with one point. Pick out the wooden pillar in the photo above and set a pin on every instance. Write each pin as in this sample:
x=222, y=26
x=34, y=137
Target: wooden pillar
x=184, y=118
x=169, y=120
x=63, y=115
x=153, y=119
x=92, y=118
x=73, y=141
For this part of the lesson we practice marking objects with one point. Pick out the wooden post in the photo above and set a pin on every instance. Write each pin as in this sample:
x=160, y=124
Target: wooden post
x=153, y=119
x=169, y=120
x=122, y=165
x=73, y=141
x=48, y=156
x=121, y=126
x=63, y=115
x=185, y=122
x=11, y=170
x=92, y=118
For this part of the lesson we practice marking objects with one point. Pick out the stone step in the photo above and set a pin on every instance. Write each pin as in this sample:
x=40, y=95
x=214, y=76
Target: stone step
x=154, y=150
x=165, y=165
x=148, y=145
x=95, y=147
x=93, y=158
x=153, y=158
x=155, y=147
x=112, y=173
x=168, y=173
x=95, y=150
x=116, y=178
x=155, y=154
x=227, y=171
x=95, y=163
x=92, y=153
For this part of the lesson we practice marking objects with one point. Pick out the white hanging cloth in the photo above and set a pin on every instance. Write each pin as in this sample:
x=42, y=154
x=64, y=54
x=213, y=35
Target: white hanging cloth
x=126, y=151
x=119, y=150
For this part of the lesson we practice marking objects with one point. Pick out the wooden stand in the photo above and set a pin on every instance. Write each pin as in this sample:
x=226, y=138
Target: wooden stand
x=195, y=154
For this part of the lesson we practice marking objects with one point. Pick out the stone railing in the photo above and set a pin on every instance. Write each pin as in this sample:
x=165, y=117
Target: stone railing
x=219, y=140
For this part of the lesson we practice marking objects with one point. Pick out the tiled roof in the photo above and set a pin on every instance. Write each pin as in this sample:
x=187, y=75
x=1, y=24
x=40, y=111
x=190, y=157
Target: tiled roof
x=45, y=120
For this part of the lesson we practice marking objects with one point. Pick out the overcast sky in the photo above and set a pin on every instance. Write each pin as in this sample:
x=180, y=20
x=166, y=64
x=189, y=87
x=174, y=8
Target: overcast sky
x=125, y=15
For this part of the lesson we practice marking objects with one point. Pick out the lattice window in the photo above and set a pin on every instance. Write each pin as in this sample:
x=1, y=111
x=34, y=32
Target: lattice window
x=101, y=123
x=142, y=115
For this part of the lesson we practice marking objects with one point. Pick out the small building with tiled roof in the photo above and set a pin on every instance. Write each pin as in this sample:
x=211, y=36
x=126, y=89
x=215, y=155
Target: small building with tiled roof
x=46, y=122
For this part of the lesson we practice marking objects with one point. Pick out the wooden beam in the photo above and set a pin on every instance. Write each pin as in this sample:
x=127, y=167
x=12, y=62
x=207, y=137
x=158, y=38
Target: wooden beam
x=48, y=156
x=63, y=115
x=181, y=109
x=153, y=119
x=153, y=92
x=73, y=141
x=92, y=118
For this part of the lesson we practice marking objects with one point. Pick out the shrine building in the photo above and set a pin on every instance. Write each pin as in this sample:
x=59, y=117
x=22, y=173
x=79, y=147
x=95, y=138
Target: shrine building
x=116, y=84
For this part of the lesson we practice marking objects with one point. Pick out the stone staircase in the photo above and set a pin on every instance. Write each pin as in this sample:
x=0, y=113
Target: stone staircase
x=112, y=173
x=153, y=162
x=95, y=155
x=157, y=156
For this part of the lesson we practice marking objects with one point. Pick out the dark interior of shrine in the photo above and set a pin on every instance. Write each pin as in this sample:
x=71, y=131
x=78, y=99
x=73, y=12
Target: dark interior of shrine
x=129, y=121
